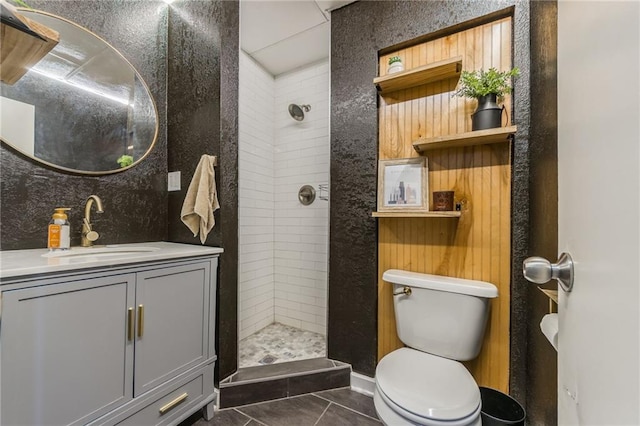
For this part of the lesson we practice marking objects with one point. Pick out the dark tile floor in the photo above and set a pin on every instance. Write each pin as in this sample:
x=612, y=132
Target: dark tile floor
x=337, y=407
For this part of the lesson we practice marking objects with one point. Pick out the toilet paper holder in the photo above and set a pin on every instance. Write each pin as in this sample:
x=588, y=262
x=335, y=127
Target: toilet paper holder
x=553, y=299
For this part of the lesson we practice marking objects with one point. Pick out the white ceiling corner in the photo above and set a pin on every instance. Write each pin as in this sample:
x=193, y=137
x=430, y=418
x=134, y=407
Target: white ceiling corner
x=264, y=23
x=285, y=34
x=305, y=48
x=328, y=5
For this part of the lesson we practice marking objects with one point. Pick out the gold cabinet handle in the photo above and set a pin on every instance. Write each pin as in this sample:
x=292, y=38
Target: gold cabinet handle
x=140, y=320
x=173, y=403
x=130, y=321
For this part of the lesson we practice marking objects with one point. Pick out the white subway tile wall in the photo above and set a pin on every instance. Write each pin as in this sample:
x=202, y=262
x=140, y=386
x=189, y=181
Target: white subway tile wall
x=301, y=232
x=283, y=244
x=256, y=198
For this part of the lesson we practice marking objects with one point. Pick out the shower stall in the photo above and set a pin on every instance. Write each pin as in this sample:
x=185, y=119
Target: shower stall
x=283, y=213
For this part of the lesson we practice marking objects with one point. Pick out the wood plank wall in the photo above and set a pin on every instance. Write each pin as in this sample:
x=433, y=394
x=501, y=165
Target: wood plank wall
x=476, y=246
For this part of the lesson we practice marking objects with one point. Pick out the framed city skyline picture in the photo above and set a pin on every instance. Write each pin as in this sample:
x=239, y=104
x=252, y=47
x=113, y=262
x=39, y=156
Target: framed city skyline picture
x=403, y=184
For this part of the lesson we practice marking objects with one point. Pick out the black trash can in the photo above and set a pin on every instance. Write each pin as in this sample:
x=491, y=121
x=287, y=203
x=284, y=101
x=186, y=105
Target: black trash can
x=499, y=409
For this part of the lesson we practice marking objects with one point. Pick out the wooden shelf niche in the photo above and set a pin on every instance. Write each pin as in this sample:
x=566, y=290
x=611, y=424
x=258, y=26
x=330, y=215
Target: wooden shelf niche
x=430, y=73
x=478, y=137
x=477, y=245
x=447, y=214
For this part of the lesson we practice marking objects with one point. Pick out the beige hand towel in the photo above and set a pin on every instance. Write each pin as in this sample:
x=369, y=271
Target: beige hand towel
x=202, y=199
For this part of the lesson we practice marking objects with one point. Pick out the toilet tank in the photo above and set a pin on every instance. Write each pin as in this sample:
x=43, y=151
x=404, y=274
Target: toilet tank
x=443, y=316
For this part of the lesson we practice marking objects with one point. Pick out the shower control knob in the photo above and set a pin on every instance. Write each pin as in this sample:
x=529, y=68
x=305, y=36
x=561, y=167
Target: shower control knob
x=539, y=270
x=306, y=195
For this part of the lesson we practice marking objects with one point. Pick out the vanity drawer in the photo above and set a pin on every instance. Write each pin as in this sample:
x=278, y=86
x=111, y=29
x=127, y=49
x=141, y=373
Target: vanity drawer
x=166, y=408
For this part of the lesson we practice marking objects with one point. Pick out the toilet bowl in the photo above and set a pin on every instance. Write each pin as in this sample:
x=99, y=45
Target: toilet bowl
x=442, y=321
x=414, y=387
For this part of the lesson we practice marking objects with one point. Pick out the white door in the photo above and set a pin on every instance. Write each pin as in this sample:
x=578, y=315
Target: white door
x=598, y=202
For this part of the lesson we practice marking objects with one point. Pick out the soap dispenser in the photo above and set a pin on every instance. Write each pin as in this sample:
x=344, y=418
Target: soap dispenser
x=59, y=230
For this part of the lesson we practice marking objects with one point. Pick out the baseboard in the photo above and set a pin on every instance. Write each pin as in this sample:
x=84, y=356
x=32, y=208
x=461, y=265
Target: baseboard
x=362, y=384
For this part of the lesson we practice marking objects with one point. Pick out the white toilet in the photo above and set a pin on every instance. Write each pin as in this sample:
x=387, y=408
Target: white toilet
x=442, y=321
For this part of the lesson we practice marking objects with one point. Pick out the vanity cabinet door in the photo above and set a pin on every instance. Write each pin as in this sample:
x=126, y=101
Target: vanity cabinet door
x=65, y=356
x=172, y=322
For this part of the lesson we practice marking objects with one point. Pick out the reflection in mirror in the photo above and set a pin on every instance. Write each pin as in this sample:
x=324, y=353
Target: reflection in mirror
x=82, y=108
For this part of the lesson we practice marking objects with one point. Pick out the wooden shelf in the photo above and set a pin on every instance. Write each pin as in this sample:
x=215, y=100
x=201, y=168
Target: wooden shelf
x=479, y=137
x=437, y=71
x=21, y=50
x=453, y=214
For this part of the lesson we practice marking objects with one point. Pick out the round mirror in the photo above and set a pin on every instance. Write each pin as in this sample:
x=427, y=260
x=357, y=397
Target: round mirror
x=83, y=108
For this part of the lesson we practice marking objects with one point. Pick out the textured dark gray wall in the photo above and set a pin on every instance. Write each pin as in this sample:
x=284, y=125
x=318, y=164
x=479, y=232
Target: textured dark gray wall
x=135, y=201
x=202, y=111
x=228, y=290
x=202, y=115
x=358, y=32
x=542, y=373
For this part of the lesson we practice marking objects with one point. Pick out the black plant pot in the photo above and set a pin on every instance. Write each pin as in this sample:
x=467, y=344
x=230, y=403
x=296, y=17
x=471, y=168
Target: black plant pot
x=488, y=115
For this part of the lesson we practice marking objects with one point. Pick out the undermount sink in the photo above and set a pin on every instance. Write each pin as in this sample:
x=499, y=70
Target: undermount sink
x=104, y=251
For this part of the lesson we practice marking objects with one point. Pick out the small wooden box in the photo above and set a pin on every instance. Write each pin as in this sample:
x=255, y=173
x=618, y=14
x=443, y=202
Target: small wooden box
x=19, y=51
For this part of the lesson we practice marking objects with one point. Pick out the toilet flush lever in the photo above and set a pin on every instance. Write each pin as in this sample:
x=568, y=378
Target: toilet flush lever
x=406, y=291
x=539, y=270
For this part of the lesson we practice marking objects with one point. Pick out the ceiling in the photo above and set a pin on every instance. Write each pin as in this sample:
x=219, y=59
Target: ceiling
x=284, y=35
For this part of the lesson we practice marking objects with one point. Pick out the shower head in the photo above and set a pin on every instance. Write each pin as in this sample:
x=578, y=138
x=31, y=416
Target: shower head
x=297, y=111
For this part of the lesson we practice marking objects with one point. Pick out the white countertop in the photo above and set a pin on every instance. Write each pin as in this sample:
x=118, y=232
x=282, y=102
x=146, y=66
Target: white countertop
x=18, y=263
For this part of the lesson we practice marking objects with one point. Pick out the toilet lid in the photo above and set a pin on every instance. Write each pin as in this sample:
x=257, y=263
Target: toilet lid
x=427, y=385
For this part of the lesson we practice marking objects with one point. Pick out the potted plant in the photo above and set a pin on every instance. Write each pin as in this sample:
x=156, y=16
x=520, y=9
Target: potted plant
x=488, y=87
x=125, y=160
x=395, y=65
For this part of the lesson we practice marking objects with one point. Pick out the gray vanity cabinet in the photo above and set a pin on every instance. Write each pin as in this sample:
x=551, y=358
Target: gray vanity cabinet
x=64, y=357
x=130, y=346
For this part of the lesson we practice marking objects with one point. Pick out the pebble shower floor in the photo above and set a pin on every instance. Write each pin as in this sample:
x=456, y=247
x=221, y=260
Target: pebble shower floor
x=280, y=343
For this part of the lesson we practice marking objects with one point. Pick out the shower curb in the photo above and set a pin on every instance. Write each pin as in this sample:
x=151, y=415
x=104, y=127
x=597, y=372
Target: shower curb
x=243, y=392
